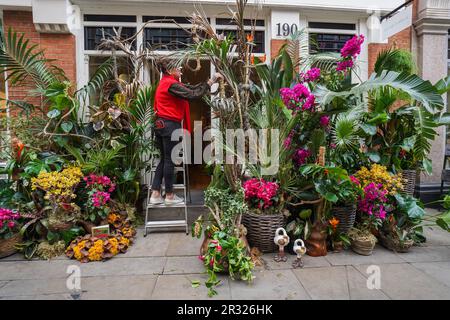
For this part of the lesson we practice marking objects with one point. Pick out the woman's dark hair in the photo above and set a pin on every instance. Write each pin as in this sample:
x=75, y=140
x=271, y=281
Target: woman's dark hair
x=164, y=65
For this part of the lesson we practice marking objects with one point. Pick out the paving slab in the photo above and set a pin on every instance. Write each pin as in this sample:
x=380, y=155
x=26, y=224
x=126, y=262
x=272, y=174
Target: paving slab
x=349, y=257
x=56, y=296
x=118, y=288
x=324, y=283
x=155, y=244
x=426, y=254
x=440, y=271
x=276, y=285
x=123, y=267
x=436, y=237
x=26, y=270
x=181, y=244
x=358, y=288
x=183, y=265
x=179, y=287
x=405, y=282
x=309, y=262
x=34, y=287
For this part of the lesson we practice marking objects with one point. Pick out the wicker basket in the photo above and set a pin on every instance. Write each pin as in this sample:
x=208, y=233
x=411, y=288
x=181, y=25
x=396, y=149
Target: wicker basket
x=346, y=216
x=409, y=185
x=60, y=226
x=394, y=244
x=7, y=246
x=261, y=230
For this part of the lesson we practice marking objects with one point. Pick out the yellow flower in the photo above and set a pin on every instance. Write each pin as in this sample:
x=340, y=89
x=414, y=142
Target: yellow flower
x=379, y=175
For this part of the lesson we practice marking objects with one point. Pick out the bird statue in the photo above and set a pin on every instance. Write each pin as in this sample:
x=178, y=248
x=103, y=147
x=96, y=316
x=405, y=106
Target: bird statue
x=300, y=250
x=281, y=240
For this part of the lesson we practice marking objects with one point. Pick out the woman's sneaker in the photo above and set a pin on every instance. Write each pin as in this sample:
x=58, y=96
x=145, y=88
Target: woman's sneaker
x=175, y=200
x=156, y=201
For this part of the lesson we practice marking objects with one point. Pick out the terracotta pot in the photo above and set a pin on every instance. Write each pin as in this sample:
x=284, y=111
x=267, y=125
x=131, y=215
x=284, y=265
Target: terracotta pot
x=316, y=245
x=338, y=246
x=7, y=246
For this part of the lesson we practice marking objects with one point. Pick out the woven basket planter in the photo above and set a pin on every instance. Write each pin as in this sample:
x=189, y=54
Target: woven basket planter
x=346, y=216
x=409, y=185
x=395, y=244
x=7, y=246
x=261, y=230
x=60, y=226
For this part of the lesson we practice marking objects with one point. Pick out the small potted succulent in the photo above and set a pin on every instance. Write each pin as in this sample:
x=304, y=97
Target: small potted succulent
x=9, y=232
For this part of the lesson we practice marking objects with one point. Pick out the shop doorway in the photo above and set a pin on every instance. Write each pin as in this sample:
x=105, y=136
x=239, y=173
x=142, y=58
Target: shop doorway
x=199, y=178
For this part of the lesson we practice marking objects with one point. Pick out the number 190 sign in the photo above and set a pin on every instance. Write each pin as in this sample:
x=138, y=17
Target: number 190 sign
x=286, y=29
x=284, y=24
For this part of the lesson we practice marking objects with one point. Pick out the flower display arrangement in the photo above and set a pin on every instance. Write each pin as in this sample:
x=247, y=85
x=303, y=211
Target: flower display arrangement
x=88, y=248
x=99, y=195
x=59, y=188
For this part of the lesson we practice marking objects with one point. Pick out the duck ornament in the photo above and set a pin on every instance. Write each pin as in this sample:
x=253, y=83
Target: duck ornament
x=281, y=240
x=300, y=250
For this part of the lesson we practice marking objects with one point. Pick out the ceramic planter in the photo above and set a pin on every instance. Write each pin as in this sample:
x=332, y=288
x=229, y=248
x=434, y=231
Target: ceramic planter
x=316, y=245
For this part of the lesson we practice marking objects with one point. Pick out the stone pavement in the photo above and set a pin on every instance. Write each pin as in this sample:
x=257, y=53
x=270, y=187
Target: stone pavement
x=163, y=265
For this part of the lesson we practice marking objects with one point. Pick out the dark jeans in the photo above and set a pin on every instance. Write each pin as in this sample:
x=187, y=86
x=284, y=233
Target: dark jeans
x=166, y=167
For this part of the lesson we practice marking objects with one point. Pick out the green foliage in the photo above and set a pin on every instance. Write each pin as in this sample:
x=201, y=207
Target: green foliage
x=21, y=61
x=226, y=253
x=397, y=60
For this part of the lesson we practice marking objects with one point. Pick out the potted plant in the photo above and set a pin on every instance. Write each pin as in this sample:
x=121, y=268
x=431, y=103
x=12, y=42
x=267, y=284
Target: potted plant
x=338, y=240
x=59, y=190
x=332, y=185
x=9, y=232
x=403, y=227
x=99, y=189
x=225, y=248
x=263, y=217
x=373, y=206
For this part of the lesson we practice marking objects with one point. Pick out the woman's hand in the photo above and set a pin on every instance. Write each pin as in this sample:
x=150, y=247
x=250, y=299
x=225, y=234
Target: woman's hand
x=217, y=76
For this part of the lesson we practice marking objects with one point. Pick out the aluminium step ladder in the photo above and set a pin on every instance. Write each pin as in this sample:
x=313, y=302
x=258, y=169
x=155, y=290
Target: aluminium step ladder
x=184, y=186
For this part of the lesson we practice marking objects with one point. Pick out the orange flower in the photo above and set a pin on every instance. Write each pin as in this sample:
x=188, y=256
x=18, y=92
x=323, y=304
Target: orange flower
x=263, y=58
x=252, y=59
x=250, y=37
x=326, y=172
x=334, y=223
x=20, y=147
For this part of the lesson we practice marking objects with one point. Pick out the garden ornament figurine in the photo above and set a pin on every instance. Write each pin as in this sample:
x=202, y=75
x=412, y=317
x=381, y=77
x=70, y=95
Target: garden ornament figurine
x=300, y=250
x=281, y=240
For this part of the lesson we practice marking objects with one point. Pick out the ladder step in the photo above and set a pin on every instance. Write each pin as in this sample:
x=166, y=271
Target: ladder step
x=163, y=205
x=178, y=186
x=164, y=224
x=177, y=169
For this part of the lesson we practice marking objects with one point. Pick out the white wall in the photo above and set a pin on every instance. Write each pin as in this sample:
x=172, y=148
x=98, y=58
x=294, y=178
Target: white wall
x=359, y=5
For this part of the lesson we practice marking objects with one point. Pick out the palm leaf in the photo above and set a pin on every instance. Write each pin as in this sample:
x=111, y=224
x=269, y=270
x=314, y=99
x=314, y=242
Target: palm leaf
x=425, y=133
x=101, y=75
x=395, y=60
x=417, y=88
x=345, y=133
x=21, y=61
